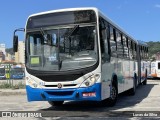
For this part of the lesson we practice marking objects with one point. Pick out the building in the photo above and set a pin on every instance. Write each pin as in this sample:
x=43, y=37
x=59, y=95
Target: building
x=9, y=57
x=20, y=54
x=3, y=48
x=2, y=56
x=2, y=52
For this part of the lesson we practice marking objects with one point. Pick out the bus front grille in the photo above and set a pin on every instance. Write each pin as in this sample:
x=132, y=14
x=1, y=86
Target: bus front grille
x=60, y=93
x=65, y=85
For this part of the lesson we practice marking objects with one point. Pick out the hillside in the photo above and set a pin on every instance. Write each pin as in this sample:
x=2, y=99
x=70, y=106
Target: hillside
x=10, y=51
x=153, y=47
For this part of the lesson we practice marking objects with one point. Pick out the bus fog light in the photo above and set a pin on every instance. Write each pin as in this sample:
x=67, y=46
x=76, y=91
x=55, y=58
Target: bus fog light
x=31, y=82
x=93, y=79
x=87, y=83
x=35, y=85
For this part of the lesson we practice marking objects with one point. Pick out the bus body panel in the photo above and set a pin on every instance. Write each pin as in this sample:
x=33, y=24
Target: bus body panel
x=155, y=68
x=2, y=73
x=75, y=94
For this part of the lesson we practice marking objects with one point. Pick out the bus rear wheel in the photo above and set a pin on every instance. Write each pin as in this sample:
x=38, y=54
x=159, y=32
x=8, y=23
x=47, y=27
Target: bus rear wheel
x=56, y=103
x=132, y=91
x=145, y=81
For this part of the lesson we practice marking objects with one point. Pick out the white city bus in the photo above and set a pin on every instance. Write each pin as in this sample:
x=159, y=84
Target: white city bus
x=155, y=69
x=2, y=72
x=78, y=54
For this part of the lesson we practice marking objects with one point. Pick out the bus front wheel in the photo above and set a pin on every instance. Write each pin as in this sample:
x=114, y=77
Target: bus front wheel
x=111, y=101
x=56, y=103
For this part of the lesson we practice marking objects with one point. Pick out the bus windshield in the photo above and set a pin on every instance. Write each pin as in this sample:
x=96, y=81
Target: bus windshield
x=62, y=48
x=17, y=71
x=2, y=71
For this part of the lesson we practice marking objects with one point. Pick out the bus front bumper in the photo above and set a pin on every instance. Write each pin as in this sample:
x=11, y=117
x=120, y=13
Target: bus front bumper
x=17, y=77
x=92, y=93
x=2, y=77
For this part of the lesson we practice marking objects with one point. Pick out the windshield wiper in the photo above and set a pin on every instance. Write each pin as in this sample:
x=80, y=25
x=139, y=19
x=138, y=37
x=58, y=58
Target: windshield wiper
x=68, y=35
x=43, y=34
x=72, y=32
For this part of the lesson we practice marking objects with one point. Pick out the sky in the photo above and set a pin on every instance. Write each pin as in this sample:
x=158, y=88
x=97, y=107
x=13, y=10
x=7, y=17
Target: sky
x=139, y=18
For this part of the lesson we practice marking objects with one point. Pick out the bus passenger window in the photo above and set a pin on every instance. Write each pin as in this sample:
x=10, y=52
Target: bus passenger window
x=113, y=42
x=104, y=41
x=125, y=44
x=119, y=44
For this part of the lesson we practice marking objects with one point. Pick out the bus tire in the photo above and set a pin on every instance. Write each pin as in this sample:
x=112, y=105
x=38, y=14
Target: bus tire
x=132, y=91
x=145, y=81
x=111, y=101
x=56, y=103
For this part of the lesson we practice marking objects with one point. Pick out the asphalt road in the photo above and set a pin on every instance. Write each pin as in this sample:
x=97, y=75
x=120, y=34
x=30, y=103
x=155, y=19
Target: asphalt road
x=146, y=101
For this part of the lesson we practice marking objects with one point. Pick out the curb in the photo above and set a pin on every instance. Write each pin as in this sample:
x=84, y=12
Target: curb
x=8, y=92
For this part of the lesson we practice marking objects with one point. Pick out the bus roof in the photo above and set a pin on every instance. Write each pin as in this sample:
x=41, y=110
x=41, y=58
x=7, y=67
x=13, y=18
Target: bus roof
x=64, y=10
x=142, y=43
x=97, y=12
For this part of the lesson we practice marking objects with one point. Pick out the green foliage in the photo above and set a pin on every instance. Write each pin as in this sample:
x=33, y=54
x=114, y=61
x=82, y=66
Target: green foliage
x=5, y=85
x=21, y=85
x=153, y=48
x=10, y=51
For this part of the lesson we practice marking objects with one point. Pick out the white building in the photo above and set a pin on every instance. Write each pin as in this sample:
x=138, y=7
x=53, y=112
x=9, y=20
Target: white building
x=3, y=48
x=20, y=55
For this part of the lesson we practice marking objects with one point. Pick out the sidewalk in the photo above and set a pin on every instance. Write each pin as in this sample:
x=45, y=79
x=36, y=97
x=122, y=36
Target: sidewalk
x=7, y=92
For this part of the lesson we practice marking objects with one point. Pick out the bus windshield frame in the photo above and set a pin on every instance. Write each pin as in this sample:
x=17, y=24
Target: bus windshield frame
x=2, y=71
x=52, y=37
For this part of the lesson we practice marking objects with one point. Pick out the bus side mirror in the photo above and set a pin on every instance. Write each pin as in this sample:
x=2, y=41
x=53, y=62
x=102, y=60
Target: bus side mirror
x=15, y=43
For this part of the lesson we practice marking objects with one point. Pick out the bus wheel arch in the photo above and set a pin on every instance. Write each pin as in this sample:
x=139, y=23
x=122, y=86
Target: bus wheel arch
x=111, y=101
x=114, y=88
x=132, y=91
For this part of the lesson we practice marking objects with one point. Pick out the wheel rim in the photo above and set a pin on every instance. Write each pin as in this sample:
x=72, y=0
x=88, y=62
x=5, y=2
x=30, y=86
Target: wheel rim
x=113, y=93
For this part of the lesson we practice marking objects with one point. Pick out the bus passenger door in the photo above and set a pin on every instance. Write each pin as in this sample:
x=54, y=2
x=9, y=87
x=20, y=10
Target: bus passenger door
x=107, y=67
x=158, y=68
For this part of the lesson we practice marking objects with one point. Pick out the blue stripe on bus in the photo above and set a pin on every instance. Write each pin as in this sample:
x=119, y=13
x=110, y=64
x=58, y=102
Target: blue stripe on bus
x=35, y=94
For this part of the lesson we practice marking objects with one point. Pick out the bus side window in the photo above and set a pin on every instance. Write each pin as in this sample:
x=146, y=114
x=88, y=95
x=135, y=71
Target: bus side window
x=141, y=52
x=130, y=48
x=135, y=51
x=119, y=44
x=125, y=44
x=103, y=40
x=113, y=46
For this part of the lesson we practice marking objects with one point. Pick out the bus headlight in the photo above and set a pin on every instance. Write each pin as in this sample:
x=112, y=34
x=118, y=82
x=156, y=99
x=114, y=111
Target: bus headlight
x=31, y=82
x=90, y=81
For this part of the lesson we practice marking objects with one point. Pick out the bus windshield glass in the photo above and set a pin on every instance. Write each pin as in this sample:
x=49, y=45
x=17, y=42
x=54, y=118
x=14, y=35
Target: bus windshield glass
x=62, y=48
x=17, y=71
x=2, y=71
